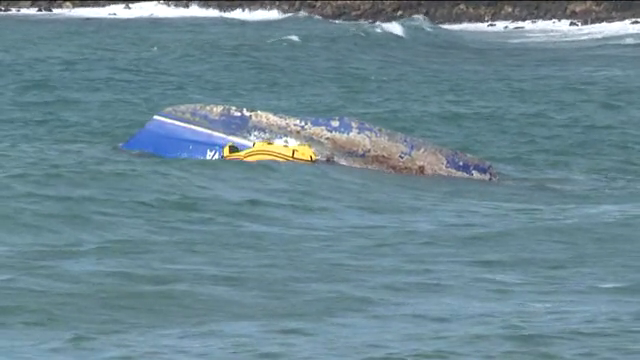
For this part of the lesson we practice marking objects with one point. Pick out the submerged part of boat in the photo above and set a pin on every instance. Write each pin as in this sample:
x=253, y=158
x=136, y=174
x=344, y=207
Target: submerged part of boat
x=203, y=131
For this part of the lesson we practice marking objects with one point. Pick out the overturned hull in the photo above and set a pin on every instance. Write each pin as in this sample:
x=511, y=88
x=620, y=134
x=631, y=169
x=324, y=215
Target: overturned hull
x=201, y=131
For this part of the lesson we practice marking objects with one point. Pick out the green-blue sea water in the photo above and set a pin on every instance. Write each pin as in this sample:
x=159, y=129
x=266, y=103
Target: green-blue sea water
x=107, y=255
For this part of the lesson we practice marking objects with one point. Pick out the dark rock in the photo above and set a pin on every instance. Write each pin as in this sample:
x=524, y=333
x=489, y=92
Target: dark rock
x=438, y=12
x=491, y=25
x=5, y=10
x=574, y=23
x=127, y=7
x=443, y=11
x=518, y=28
x=635, y=22
x=181, y=4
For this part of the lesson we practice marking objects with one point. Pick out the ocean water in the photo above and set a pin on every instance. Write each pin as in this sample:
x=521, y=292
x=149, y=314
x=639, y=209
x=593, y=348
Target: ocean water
x=106, y=255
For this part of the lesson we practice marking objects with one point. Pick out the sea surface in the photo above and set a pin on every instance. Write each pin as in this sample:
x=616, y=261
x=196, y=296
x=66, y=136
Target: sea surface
x=107, y=255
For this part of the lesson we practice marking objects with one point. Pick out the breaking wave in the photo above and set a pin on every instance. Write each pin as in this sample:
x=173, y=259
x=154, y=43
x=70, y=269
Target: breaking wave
x=513, y=32
x=549, y=30
x=154, y=9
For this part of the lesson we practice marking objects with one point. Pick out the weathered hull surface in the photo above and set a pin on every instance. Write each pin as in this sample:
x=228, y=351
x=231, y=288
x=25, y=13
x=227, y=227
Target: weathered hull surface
x=201, y=131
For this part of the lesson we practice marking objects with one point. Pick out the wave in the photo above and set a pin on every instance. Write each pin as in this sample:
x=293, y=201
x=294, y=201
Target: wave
x=550, y=30
x=621, y=33
x=513, y=32
x=394, y=28
x=154, y=9
x=294, y=38
x=526, y=31
x=627, y=41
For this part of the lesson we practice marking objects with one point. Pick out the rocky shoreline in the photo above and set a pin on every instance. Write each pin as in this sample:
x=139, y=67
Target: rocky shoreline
x=438, y=12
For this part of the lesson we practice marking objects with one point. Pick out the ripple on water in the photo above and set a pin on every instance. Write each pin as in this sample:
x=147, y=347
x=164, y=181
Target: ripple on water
x=113, y=256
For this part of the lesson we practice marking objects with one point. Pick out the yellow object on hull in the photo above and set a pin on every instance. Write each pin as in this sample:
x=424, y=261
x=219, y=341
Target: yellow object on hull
x=266, y=150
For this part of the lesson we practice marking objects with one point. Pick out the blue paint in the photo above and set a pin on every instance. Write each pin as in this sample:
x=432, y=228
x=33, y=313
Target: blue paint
x=410, y=146
x=364, y=128
x=459, y=162
x=165, y=139
x=227, y=123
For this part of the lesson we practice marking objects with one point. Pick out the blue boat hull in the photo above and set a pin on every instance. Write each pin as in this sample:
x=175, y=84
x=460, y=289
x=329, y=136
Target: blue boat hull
x=200, y=131
x=169, y=138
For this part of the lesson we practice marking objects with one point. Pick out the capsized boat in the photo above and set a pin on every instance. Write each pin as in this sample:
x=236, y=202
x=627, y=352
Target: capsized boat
x=203, y=131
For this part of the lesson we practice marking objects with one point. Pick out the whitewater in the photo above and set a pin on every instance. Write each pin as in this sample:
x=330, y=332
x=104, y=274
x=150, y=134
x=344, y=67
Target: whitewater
x=525, y=31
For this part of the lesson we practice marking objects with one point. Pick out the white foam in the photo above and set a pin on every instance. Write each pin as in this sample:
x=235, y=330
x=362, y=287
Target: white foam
x=551, y=30
x=612, y=285
x=157, y=10
x=391, y=27
x=505, y=279
x=292, y=38
x=288, y=37
x=627, y=41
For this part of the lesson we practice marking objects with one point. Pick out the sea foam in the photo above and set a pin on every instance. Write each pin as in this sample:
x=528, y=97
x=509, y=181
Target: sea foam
x=393, y=27
x=551, y=30
x=157, y=10
x=527, y=31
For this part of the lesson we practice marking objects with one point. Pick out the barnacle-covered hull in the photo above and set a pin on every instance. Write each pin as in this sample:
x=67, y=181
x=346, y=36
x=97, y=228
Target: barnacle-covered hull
x=202, y=131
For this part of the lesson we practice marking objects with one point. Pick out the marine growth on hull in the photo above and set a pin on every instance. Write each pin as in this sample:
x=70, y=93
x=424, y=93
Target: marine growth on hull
x=347, y=141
